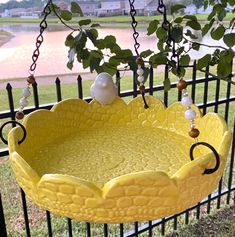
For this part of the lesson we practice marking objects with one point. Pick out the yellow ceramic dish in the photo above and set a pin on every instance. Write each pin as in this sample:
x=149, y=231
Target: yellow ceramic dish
x=116, y=163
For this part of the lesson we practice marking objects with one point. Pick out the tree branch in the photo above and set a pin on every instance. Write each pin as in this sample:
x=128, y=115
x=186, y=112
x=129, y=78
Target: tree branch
x=209, y=46
x=61, y=20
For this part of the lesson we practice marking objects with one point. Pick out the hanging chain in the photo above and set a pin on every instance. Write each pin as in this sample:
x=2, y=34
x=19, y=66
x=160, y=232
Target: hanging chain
x=139, y=61
x=134, y=24
x=170, y=41
x=190, y=113
x=40, y=38
x=26, y=93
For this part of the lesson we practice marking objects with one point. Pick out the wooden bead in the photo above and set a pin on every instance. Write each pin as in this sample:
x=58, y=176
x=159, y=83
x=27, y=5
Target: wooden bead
x=19, y=115
x=31, y=79
x=139, y=61
x=142, y=88
x=194, y=133
x=181, y=84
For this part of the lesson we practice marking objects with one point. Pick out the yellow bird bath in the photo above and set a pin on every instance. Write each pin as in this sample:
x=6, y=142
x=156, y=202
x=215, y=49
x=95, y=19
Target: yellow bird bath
x=116, y=163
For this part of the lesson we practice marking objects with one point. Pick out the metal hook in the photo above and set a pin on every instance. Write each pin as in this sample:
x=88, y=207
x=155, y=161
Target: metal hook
x=12, y=122
x=217, y=158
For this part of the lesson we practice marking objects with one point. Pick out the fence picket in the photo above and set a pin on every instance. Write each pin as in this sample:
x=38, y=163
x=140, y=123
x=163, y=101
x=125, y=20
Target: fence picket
x=3, y=229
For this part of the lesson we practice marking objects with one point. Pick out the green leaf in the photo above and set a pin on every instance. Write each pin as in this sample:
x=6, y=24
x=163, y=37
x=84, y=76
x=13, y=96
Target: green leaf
x=114, y=48
x=158, y=59
x=95, y=25
x=132, y=63
x=167, y=84
x=194, y=25
x=84, y=22
x=99, y=44
x=96, y=54
x=152, y=27
x=82, y=54
x=161, y=33
x=178, y=20
x=207, y=27
x=146, y=53
x=190, y=17
x=109, y=69
x=185, y=60
x=86, y=63
x=218, y=33
x=232, y=22
x=231, y=2
x=229, y=39
x=69, y=41
x=125, y=54
x=92, y=34
x=211, y=15
x=109, y=39
x=205, y=5
x=195, y=46
x=222, y=15
x=82, y=40
x=114, y=61
x=224, y=68
x=70, y=65
x=227, y=55
x=66, y=15
x=180, y=50
x=190, y=34
x=204, y=61
x=176, y=8
x=160, y=45
x=94, y=63
x=177, y=33
x=75, y=8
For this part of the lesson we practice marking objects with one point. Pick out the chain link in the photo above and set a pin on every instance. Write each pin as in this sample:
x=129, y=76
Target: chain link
x=40, y=39
x=170, y=41
x=134, y=26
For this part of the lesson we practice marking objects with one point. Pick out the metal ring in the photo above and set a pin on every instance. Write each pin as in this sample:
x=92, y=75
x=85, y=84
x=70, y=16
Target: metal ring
x=217, y=158
x=12, y=122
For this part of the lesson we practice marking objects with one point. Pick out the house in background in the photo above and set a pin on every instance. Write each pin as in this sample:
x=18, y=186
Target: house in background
x=122, y=7
x=5, y=14
x=32, y=13
x=63, y=5
x=140, y=7
x=111, y=8
x=89, y=7
x=151, y=8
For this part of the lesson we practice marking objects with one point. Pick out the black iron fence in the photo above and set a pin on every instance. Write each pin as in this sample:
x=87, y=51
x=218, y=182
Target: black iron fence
x=209, y=93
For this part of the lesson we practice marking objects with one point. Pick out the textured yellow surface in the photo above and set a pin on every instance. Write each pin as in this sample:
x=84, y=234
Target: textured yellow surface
x=116, y=163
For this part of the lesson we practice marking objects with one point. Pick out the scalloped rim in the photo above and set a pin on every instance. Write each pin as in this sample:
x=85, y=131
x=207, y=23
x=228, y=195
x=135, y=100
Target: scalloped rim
x=182, y=173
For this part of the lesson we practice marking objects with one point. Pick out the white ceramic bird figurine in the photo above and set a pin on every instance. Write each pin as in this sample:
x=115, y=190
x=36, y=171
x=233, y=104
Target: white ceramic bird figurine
x=103, y=89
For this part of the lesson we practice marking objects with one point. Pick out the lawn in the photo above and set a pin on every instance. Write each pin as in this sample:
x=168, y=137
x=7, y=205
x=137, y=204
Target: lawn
x=47, y=94
x=115, y=21
x=221, y=224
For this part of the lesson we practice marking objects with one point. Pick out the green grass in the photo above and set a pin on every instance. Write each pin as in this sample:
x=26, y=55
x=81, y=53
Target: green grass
x=104, y=20
x=221, y=224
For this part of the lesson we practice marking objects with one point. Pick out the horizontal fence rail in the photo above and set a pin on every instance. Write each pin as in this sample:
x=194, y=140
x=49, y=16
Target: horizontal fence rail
x=217, y=103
